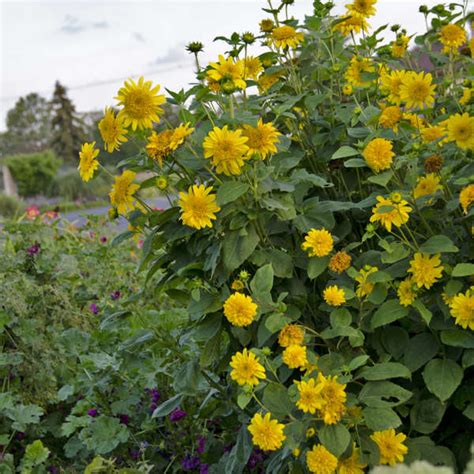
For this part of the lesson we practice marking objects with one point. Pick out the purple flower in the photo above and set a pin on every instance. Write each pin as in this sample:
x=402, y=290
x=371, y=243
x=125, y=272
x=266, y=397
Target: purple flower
x=255, y=458
x=154, y=396
x=115, y=295
x=94, y=309
x=201, y=445
x=177, y=414
x=103, y=239
x=204, y=469
x=190, y=462
x=134, y=454
x=93, y=412
x=34, y=249
x=124, y=419
x=53, y=469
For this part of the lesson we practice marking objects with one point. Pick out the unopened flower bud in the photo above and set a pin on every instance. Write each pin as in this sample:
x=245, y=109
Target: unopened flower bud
x=195, y=47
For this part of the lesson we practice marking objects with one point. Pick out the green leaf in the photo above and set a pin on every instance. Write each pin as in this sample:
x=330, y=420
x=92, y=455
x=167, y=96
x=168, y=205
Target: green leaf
x=276, y=399
x=275, y=322
x=340, y=317
x=237, y=248
x=36, y=453
x=379, y=419
x=426, y=415
x=104, y=434
x=240, y=453
x=65, y=392
x=390, y=311
x=24, y=415
x=229, y=191
x=385, y=370
x=442, y=377
x=419, y=350
x=336, y=438
x=243, y=399
x=262, y=283
x=316, y=266
x=463, y=269
x=282, y=262
x=458, y=338
x=383, y=394
x=167, y=407
x=355, y=163
x=438, y=244
x=469, y=411
x=344, y=152
x=382, y=179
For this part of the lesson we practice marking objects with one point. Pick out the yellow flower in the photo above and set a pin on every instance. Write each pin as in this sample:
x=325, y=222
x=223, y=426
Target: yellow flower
x=237, y=285
x=159, y=145
x=227, y=70
x=347, y=89
x=462, y=309
x=363, y=8
x=318, y=243
x=466, y=197
x=88, y=163
x=294, y=356
x=399, y=46
x=262, y=139
x=240, y=310
x=310, y=432
x=466, y=96
x=425, y=270
x=112, y=130
x=179, y=135
x=461, y=130
x=198, y=206
x=247, y=370
x=415, y=120
x=334, y=296
x=417, y=91
x=471, y=46
x=122, y=192
x=266, y=25
x=389, y=213
x=356, y=68
x=340, y=262
x=390, y=83
x=334, y=397
x=406, y=292
x=390, y=117
x=286, y=37
x=391, y=447
x=452, y=37
x=296, y=452
x=267, y=434
x=141, y=104
x=432, y=132
x=227, y=150
x=310, y=396
x=427, y=185
x=365, y=287
x=351, y=465
x=265, y=81
x=378, y=154
x=252, y=67
x=351, y=24
x=320, y=461
x=291, y=334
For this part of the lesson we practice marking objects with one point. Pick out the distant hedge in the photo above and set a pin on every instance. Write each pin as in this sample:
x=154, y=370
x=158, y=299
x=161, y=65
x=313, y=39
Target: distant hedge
x=33, y=173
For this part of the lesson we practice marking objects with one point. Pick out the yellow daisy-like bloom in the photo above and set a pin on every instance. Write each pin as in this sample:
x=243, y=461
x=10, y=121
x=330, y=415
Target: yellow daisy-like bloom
x=406, y=292
x=432, y=132
x=417, y=91
x=247, y=370
x=310, y=396
x=320, y=461
x=390, y=117
x=310, y=432
x=378, y=154
x=461, y=130
x=159, y=145
x=347, y=89
x=286, y=37
x=471, y=46
x=229, y=70
x=87, y=161
x=291, y=334
x=462, y=309
x=391, y=447
x=266, y=25
x=466, y=197
x=267, y=434
x=252, y=67
x=365, y=287
x=389, y=213
x=227, y=150
x=334, y=296
x=237, y=285
x=112, y=130
x=352, y=464
x=427, y=185
x=415, y=120
x=452, y=37
x=425, y=270
x=466, y=96
x=265, y=81
x=213, y=85
x=363, y=8
x=351, y=24
x=334, y=396
x=294, y=356
x=141, y=104
x=179, y=135
x=122, y=192
x=318, y=243
x=399, y=47
x=356, y=68
x=262, y=139
x=390, y=83
x=198, y=206
x=240, y=310
x=340, y=262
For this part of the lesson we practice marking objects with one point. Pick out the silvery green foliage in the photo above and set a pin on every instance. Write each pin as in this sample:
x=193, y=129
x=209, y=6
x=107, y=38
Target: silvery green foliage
x=418, y=467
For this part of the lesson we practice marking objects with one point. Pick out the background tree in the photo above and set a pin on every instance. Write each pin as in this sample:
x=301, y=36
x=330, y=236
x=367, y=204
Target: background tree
x=67, y=127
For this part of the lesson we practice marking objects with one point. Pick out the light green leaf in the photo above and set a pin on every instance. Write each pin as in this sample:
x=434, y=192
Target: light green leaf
x=463, y=269
x=335, y=438
x=458, y=338
x=379, y=419
x=385, y=370
x=438, y=244
x=344, y=152
x=316, y=266
x=229, y=191
x=390, y=311
x=442, y=377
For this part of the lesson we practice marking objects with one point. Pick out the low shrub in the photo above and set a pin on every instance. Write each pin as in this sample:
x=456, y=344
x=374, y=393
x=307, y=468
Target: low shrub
x=10, y=206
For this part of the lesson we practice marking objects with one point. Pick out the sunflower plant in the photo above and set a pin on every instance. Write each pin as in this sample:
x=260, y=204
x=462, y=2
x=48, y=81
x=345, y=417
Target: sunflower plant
x=319, y=232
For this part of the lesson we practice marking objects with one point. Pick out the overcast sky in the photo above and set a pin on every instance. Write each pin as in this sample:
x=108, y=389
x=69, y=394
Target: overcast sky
x=92, y=46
